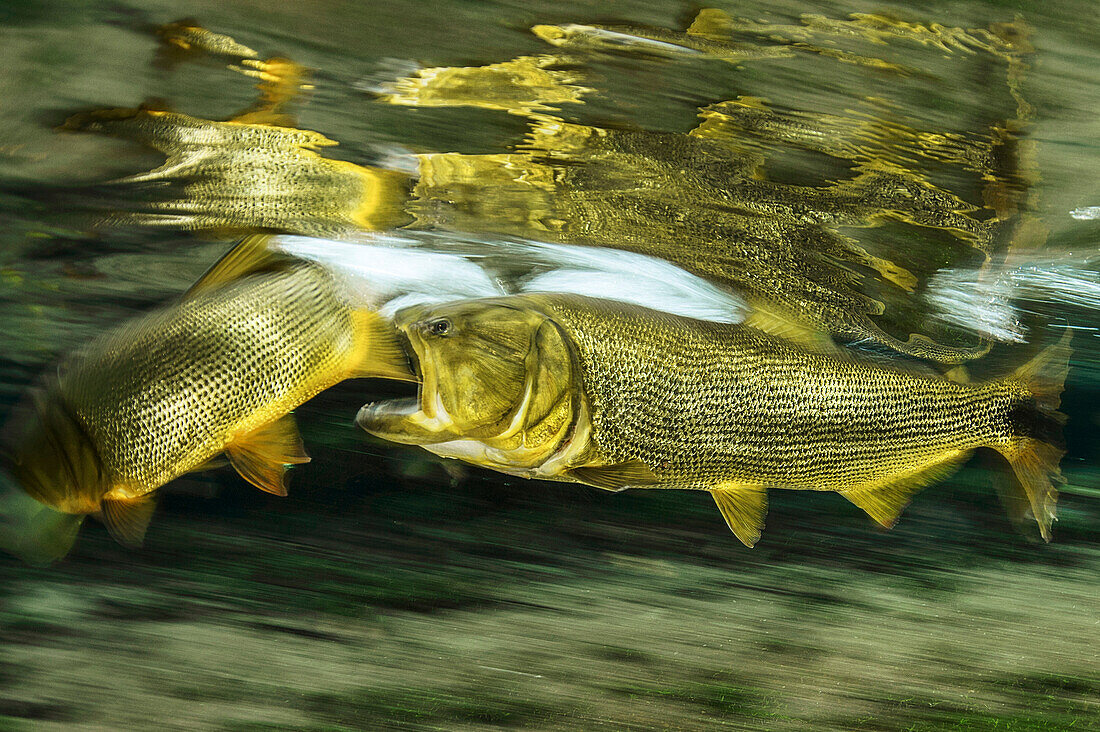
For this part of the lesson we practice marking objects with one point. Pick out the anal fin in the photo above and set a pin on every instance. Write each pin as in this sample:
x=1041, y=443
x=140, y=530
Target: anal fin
x=127, y=518
x=884, y=500
x=262, y=457
x=615, y=477
x=743, y=508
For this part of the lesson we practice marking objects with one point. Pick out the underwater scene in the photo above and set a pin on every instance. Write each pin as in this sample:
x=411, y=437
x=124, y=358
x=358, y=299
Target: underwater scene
x=465, y=365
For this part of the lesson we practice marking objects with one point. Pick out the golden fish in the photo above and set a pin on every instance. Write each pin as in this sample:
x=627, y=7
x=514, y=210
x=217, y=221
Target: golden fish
x=617, y=396
x=169, y=391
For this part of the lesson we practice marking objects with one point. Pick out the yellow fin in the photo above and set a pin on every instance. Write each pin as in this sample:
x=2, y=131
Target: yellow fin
x=712, y=24
x=127, y=518
x=1036, y=466
x=959, y=374
x=1045, y=375
x=1035, y=461
x=616, y=477
x=380, y=354
x=218, y=461
x=743, y=508
x=884, y=500
x=251, y=254
x=789, y=329
x=263, y=456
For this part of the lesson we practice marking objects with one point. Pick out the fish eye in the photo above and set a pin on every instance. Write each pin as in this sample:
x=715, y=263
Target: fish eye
x=439, y=327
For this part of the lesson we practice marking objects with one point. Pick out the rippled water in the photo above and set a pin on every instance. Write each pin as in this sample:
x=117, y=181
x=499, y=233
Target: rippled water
x=393, y=591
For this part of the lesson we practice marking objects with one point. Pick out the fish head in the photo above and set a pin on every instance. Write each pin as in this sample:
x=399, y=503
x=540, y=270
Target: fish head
x=488, y=369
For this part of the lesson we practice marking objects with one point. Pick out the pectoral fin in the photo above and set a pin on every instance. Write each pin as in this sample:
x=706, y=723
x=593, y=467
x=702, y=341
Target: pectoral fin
x=886, y=499
x=743, y=508
x=262, y=457
x=615, y=477
x=127, y=518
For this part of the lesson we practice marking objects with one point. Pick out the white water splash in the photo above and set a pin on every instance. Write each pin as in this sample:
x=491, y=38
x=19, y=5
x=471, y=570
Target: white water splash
x=1086, y=213
x=992, y=304
x=389, y=271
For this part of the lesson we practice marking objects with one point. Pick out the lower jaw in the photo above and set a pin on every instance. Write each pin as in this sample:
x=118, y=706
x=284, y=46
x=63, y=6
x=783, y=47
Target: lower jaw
x=397, y=420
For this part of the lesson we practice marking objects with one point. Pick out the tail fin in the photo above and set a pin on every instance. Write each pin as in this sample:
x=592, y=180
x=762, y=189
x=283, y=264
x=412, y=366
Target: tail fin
x=380, y=353
x=1035, y=455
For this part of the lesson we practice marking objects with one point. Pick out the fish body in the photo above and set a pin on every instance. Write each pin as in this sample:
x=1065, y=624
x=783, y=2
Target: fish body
x=618, y=396
x=166, y=393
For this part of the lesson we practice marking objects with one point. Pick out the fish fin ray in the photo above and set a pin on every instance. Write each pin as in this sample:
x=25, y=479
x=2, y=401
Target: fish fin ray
x=262, y=457
x=743, y=508
x=127, y=518
x=251, y=254
x=214, y=463
x=1045, y=375
x=781, y=326
x=884, y=500
x=615, y=477
x=1035, y=461
x=380, y=354
x=1035, y=464
x=959, y=374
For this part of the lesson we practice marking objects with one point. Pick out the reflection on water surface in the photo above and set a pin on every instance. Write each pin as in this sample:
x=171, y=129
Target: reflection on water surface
x=861, y=175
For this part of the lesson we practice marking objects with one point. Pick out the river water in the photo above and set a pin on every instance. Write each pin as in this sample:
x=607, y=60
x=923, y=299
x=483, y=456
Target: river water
x=391, y=590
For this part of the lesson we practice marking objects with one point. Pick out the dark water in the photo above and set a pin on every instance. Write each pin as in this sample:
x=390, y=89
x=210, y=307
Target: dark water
x=391, y=591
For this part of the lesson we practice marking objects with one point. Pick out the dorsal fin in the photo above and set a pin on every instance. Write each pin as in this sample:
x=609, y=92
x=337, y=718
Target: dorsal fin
x=127, y=518
x=743, y=508
x=251, y=254
x=262, y=456
x=712, y=24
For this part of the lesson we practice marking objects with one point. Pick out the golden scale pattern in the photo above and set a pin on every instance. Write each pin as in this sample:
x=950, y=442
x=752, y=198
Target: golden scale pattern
x=229, y=360
x=702, y=403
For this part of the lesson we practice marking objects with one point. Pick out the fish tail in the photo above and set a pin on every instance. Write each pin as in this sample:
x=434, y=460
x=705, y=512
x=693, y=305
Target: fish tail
x=379, y=353
x=1037, y=449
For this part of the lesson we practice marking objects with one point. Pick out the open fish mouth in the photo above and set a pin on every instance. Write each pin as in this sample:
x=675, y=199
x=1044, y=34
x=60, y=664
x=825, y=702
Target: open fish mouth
x=403, y=419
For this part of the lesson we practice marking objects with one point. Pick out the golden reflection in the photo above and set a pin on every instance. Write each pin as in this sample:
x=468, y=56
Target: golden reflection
x=237, y=176
x=522, y=85
x=702, y=200
x=714, y=200
x=189, y=37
